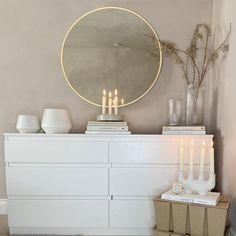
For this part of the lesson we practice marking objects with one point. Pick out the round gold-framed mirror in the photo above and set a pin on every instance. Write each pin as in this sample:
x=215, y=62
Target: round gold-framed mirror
x=111, y=48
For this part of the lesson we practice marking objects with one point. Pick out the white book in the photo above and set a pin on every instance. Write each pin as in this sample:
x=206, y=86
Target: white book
x=183, y=128
x=210, y=199
x=183, y=132
x=108, y=123
x=108, y=132
x=107, y=128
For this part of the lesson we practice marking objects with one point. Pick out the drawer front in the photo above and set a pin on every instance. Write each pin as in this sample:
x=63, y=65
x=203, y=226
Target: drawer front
x=132, y=213
x=141, y=181
x=56, y=151
x=58, y=213
x=162, y=152
x=57, y=181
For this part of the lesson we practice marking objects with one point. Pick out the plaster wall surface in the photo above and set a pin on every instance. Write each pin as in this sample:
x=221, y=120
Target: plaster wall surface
x=225, y=110
x=31, y=35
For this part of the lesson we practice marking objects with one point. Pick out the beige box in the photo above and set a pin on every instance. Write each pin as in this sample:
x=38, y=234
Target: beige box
x=163, y=233
x=175, y=218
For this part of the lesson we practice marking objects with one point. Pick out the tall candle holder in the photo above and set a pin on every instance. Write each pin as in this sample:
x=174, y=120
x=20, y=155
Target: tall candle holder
x=112, y=105
x=199, y=185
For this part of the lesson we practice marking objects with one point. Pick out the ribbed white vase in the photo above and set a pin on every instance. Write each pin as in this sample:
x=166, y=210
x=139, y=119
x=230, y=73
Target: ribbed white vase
x=27, y=124
x=56, y=121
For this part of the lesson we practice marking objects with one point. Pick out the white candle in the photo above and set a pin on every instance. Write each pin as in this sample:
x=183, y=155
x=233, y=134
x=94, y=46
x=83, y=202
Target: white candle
x=104, y=101
x=110, y=103
x=203, y=151
x=212, y=161
x=116, y=102
x=181, y=156
x=191, y=155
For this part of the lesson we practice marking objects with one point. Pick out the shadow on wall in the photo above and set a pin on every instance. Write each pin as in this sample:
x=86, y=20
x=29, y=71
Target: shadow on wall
x=218, y=141
x=218, y=159
x=232, y=214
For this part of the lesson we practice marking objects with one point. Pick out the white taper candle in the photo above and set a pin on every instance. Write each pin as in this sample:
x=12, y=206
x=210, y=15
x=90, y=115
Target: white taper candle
x=212, y=159
x=181, y=156
x=191, y=155
x=104, y=101
x=203, y=151
x=110, y=103
x=116, y=102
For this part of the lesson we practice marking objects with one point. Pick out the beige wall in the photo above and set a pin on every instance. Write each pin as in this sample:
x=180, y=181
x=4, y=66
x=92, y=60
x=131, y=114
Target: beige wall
x=225, y=87
x=31, y=34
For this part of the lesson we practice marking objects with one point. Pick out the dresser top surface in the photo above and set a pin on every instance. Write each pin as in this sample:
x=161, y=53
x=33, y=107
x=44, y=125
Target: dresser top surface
x=76, y=136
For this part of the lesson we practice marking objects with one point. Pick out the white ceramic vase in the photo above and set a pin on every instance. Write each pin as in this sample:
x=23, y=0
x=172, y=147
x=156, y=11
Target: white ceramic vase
x=56, y=121
x=27, y=124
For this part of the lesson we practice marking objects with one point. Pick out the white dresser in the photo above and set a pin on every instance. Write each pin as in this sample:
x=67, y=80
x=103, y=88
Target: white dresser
x=88, y=184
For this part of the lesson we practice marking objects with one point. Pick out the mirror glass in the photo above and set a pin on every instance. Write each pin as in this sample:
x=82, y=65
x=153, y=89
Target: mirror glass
x=111, y=48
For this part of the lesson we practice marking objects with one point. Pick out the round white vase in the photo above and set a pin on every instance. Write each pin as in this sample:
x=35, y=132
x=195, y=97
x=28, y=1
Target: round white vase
x=27, y=124
x=56, y=121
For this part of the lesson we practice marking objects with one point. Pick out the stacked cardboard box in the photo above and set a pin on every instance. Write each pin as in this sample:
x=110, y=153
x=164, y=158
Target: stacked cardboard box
x=175, y=219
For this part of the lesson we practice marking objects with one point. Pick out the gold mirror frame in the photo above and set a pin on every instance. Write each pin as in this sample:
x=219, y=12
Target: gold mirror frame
x=132, y=12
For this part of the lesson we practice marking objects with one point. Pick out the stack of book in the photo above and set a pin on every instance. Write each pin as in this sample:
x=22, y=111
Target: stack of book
x=103, y=127
x=176, y=130
x=210, y=199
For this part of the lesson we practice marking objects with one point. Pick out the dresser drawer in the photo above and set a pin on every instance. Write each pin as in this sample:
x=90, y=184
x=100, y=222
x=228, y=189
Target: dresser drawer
x=132, y=213
x=58, y=213
x=143, y=152
x=57, y=181
x=141, y=181
x=51, y=151
x=153, y=152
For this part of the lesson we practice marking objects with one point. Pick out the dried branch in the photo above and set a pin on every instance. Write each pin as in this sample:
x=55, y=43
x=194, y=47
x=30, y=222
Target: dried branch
x=196, y=60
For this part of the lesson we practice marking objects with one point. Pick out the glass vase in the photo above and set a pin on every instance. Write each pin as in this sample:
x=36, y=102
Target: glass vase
x=195, y=105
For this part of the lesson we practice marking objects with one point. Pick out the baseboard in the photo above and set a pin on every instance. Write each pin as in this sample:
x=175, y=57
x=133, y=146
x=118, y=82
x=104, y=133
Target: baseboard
x=3, y=206
x=231, y=232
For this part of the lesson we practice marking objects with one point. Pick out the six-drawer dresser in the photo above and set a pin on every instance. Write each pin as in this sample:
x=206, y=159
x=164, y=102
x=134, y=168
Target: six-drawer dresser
x=90, y=184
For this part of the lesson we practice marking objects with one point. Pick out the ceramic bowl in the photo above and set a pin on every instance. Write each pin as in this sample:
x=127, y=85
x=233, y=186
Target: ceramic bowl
x=27, y=124
x=56, y=121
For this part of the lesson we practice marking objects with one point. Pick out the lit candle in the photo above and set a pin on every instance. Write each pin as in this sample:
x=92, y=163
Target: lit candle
x=212, y=161
x=181, y=156
x=122, y=101
x=110, y=103
x=191, y=154
x=104, y=101
x=116, y=102
x=203, y=151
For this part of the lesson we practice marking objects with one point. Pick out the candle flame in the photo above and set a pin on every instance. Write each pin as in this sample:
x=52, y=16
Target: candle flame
x=116, y=92
x=110, y=94
x=203, y=143
x=104, y=92
x=182, y=143
x=122, y=101
x=192, y=144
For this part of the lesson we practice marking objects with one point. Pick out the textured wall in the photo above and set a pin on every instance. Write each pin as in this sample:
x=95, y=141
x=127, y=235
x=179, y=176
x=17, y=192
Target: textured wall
x=31, y=34
x=225, y=86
